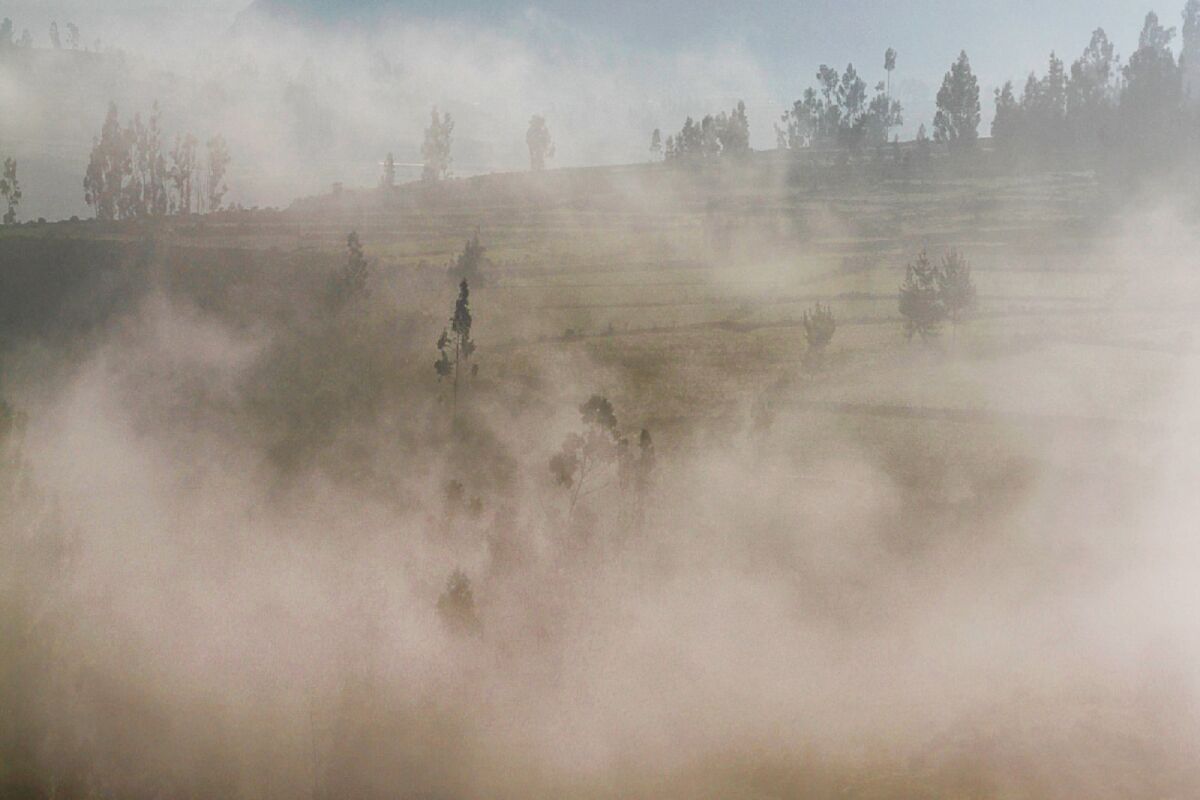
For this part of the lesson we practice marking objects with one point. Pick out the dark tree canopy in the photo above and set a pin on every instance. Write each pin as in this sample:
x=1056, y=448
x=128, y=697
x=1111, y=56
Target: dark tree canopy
x=957, y=120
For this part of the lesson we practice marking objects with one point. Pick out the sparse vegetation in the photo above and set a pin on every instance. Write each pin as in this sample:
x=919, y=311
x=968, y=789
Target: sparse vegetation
x=249, y=548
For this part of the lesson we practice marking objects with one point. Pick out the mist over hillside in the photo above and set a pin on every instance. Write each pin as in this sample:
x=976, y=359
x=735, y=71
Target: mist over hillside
x=556, y=400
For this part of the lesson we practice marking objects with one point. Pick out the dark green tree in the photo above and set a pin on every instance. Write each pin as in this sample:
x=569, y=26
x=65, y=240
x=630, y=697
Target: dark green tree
x=920, y=302
x=956, y=288
x=455, y=345
x=957, y=120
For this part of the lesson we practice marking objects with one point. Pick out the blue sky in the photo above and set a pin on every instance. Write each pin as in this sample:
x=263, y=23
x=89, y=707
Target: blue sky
x=1002, y=37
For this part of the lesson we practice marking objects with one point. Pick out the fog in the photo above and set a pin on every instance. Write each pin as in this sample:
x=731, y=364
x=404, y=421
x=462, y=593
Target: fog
x=233, y=510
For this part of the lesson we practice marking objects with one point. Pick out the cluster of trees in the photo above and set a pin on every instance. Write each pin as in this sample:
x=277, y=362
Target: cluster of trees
x=8, y=42
x=1140, y=107
x=1061, y=108
x=56, y=40
x=934, y=292
x=839, y=113
x=439, y=139
x=10, y=190
x=598, y=450
x=726, y=134
x=131, y=176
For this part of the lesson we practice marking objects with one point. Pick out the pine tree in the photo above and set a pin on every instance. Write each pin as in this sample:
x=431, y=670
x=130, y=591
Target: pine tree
x=956, y=288
x=957, y=120
x=920, y=303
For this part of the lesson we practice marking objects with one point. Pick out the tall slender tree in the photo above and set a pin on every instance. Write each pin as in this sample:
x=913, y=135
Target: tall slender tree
x=455, y=345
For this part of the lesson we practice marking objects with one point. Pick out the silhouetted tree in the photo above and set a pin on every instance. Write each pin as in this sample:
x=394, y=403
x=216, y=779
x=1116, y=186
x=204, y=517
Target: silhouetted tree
x=55, y=40
x=456, y=346
x=351, y=283
x=889, y=65
x=656, y=144
x=6, y=34
x=957, y=120
x=733, y=131
x=920, y=302
x=1006, y=124
x=837, y=112
x=1151, y=99
x=727, y=134
x=819, y=326
x=1093, y=91
x=470, y=263
x=10, y=190
x=436, y=149
x=108, y=167
x=583, y=454
x=541, y=146
x=73, y=35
